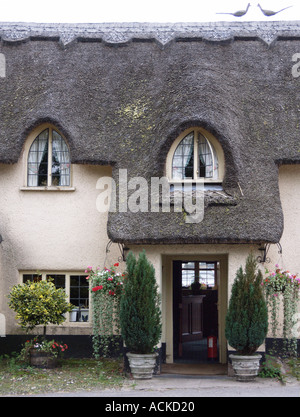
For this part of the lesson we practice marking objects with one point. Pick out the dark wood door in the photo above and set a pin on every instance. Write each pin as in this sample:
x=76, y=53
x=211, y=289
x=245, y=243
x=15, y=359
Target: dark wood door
x=195, y=314
x=187, y=313
x=191, y=318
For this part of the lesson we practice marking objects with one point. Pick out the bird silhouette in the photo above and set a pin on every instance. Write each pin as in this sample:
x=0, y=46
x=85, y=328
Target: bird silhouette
x=239, y=13
x=269, y=12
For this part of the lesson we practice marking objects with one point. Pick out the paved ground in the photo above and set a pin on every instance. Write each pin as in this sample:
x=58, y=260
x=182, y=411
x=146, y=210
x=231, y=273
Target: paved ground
x=178, y=387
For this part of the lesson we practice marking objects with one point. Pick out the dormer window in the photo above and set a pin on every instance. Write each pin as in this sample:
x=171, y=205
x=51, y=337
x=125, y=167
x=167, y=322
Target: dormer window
x=48, y=162
x=195, y=156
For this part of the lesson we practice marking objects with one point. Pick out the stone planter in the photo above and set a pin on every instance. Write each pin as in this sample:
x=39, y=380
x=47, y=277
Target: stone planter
x=41, y=359
x=245, y=367
x=142, y=365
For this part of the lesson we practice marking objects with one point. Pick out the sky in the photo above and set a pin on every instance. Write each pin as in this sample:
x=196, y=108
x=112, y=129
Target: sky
x=97, y=11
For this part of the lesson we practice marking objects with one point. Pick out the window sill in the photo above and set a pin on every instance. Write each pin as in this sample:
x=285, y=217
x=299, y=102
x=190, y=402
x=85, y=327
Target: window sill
x=188, y=185
x=52, y=188
x=68, y=325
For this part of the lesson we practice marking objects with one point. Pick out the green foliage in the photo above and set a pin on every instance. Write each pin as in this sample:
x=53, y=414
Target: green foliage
x=106, y=288
x=140, y=315
x=73, y=375
x=294, y=364
x=38, y=303
x=282, y=290
x=52, y=347
x=270, y=369
x=247, y=316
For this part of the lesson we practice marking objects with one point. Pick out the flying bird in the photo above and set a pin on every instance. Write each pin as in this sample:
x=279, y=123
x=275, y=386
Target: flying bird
x=239, y=13
x=269, y=12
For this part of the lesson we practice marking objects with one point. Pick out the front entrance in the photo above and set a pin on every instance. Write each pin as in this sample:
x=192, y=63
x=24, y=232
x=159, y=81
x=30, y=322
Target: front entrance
x=196, y=286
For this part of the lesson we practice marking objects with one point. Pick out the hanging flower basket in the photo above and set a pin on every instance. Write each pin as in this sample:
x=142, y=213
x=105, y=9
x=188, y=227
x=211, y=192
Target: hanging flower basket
x=282, y=291
x=278, y=281
x=106, y=288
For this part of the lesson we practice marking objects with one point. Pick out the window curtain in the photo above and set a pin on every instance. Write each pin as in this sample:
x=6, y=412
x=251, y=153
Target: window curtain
x=60, y=153
x=182, y=156
x=207, y=157
x=35, y=156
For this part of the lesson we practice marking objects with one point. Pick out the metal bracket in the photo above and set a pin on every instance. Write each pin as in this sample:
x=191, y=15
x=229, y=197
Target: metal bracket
x=122, y=250
x=264, y=250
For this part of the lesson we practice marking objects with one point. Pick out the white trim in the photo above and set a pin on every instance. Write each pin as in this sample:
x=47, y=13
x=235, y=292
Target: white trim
x=46, y=188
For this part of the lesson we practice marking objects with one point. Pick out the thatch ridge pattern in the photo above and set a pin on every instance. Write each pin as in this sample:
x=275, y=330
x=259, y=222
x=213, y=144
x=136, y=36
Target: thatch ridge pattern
x=162, y=33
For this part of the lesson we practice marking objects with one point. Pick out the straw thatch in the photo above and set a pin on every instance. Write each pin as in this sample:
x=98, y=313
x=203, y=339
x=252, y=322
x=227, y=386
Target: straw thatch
x=121, y=94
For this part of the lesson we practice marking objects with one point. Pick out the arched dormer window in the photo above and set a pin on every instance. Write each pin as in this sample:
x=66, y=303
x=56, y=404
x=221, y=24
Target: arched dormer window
x=48, y=160
x=196, y=155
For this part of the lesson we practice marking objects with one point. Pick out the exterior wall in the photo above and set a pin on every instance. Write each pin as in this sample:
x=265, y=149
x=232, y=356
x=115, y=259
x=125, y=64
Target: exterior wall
x=50, y=231
x=63, y=231
x=289, y=185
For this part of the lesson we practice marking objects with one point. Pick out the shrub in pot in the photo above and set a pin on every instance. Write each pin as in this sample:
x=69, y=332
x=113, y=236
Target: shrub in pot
x=246, y=320
x=39, y=303
x=140, y=315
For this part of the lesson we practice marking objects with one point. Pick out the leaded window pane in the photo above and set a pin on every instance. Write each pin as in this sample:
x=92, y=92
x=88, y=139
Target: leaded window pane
x=183, y=159
x=38, y=160
x=60, y=161
x=79, y=295
x=208, y=162
x=31, y=278
x=58, y=280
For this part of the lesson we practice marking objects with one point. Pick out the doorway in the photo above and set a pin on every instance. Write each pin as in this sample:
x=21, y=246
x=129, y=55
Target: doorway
x=195, y=311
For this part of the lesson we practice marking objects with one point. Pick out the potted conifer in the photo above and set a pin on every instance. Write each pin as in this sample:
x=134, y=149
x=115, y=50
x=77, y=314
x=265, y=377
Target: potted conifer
x=246, y=320
x=140, y=315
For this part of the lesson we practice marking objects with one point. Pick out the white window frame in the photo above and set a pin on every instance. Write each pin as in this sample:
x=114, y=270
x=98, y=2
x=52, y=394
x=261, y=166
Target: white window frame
x=67, y=275
x=212, y=143
x=31, y=138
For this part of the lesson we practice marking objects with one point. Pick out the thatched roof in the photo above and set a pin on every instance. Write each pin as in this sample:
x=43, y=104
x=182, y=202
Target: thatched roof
x=121, y=94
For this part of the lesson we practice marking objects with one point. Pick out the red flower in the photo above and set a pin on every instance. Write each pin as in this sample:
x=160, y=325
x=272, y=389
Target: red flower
x=116, y=264
x=99, y=287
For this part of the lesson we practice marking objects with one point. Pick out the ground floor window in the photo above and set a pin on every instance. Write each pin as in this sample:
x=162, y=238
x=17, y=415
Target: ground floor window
x=75, y=285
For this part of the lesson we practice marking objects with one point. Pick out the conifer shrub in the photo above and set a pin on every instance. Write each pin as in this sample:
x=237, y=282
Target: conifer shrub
x=247, y=316
x=140, y=314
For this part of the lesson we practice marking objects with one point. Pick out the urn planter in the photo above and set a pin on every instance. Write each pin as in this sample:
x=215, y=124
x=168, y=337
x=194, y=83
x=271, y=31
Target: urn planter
x=245, y=367
x=142, y=365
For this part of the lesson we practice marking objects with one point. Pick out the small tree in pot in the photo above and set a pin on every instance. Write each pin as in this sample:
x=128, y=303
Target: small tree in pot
x=140, y=315
x=247, y=320
x=40, y=303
